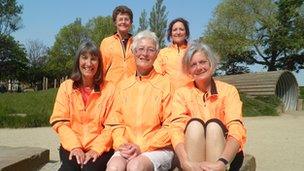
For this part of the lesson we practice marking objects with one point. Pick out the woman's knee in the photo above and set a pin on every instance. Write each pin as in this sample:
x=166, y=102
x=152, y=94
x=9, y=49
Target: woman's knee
x=215, y=134
x=139, y=163
x=117, y=164
x=195, y=127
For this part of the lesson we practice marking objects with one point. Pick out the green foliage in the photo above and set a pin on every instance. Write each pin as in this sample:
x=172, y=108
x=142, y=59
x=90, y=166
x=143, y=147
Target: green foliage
x=260, y=106
x=10, y=20
x=270, y=33
x=37, y=107
x=100, y=27
x=64, y=49
x=158, y=21
x=13, y=61
x=143, y=21
x=68, y=39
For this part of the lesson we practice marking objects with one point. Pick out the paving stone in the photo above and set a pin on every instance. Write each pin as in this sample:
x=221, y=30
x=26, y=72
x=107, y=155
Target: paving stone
x=23, y=158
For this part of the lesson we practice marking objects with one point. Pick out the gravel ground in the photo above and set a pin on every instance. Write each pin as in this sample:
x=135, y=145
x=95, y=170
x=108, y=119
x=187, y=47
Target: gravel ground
x=276, y=142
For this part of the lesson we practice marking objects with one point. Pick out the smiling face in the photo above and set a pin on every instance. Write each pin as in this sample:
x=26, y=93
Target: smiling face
x=178, y=33
x=88, y=66
x=200, y=68
x=123, y=23
x=145, y=55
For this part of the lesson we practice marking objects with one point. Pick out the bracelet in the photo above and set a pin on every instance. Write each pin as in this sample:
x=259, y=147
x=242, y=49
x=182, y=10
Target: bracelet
x=223, y=160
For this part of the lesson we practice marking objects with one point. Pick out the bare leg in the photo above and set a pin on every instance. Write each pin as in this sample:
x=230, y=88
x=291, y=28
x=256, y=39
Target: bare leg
x=195, y=141
x=117, y=163
x=215, y=141
x=140, y=163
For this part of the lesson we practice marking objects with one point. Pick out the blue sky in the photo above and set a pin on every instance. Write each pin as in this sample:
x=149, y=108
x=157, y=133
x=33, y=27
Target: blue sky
x=43, y=19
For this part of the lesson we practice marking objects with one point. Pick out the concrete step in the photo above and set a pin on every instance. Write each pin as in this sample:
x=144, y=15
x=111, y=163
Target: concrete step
x=23, y=158
x=51, y=166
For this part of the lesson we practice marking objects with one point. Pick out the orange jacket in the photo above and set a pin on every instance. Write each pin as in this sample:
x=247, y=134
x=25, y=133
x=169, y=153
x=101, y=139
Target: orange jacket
x=169, y=61
x=140, y=112
x=117, y=62
x=80, y=126
x=222, y=102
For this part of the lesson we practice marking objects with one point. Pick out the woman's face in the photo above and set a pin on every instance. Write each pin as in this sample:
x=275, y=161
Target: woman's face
x=178, y=34
x=123, y=23
x=88, y=65
x=200, y=68
x=145, y=54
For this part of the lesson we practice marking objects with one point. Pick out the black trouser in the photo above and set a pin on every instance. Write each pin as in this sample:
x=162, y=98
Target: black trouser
x=71, y=165
x=237, y=162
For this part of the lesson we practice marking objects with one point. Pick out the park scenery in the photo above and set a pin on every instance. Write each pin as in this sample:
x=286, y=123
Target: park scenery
x=245, y=34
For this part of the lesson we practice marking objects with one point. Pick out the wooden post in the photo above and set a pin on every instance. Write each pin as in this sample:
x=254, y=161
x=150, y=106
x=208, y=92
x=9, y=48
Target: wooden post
x=300, y=105
x=43, y=83
x=46, y=83
x=55, y=83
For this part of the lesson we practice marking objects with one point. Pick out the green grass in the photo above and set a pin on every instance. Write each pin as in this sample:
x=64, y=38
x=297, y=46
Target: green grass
x=301, y=92
x=35, y=106
x=261, y=106
x=38, y=106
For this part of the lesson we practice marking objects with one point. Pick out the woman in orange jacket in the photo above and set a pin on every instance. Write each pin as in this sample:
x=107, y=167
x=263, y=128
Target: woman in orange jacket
x=207, y=130
x=141, y=110
x=169, y=59
x=80, y=113
x=116, y=53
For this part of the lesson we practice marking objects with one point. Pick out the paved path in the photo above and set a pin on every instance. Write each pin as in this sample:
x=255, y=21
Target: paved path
x=276, y=142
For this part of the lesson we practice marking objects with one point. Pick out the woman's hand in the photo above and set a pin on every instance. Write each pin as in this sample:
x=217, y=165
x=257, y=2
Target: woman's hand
x=79, y=154
x=213, y=166
x=129, y=151
x=191, y=166
x=90, y=155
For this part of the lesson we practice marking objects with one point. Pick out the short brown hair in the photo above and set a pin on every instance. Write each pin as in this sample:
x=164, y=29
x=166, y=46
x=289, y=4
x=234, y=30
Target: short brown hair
x=122, y=9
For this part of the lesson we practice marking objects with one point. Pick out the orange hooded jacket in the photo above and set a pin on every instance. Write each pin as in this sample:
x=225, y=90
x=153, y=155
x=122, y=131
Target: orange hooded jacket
x=222, y=102
x=118, y=63
x=169, y=61
x=81, y=126
x=140, y=112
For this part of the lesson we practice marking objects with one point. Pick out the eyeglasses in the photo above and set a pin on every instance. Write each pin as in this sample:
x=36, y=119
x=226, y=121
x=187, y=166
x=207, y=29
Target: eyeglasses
x=148, y=50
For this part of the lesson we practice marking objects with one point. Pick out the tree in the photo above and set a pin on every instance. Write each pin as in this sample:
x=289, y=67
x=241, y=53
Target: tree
x=13, y=62
x=143, y=21
x=10, y=20
x=37, y=54
x=158, y=21
x=269, y=33
x=99, y=28
x=66, y=44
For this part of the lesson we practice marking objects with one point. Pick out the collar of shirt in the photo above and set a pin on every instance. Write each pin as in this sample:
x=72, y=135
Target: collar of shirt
x=116, y=36
x=146, y=77
x=209, y=95
x=184, y=46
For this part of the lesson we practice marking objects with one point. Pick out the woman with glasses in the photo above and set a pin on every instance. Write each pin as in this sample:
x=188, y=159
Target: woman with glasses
x=140, y=113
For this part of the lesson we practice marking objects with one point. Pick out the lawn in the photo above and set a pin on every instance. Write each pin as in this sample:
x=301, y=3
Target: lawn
x=33, y=109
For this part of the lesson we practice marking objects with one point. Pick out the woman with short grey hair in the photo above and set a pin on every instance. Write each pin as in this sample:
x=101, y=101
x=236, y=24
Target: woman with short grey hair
x=141, y=111
x=207, y=131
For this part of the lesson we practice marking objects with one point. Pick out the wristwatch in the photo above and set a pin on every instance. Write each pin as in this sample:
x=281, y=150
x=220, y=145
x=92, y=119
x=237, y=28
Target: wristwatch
x=223, y=160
